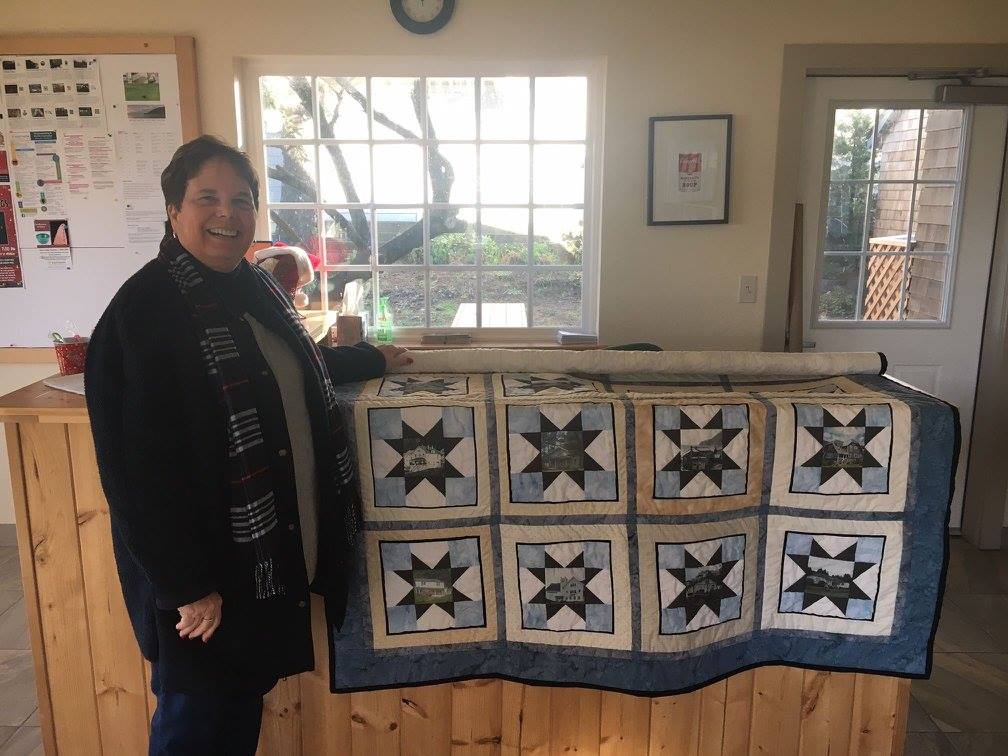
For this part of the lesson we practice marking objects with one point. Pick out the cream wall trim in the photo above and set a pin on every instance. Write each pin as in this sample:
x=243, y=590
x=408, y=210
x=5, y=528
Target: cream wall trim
x=621, y=362
x=852, y=60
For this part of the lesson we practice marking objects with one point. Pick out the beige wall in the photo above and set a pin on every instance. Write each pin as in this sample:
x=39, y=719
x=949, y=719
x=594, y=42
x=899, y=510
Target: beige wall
x=674, y=286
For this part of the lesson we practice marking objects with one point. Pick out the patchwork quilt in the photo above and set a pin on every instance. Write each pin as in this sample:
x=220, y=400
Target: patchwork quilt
x=646, y=531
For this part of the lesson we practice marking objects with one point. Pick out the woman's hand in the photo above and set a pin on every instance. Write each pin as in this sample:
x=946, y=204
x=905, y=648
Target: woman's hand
x=200, y=618
x=395, y=357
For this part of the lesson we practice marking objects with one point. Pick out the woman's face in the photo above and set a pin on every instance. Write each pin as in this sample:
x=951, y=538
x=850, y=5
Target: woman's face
x=216, y=218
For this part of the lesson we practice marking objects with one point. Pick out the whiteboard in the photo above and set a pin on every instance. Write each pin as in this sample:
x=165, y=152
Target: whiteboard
x=115, y=221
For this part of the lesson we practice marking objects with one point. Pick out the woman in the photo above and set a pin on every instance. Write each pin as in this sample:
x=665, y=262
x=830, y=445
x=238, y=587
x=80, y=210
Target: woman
x=223, y=459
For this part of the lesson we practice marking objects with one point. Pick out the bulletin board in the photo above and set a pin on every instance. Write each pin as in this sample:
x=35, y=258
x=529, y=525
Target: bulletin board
x=86, y=126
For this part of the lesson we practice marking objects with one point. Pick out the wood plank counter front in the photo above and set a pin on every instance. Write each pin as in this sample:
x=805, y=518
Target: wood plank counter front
x=93, y=685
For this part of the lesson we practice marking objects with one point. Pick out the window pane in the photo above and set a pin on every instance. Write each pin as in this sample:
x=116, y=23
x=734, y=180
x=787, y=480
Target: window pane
x=348, y=237
x=505, y=236
x=561, y=107
x=933, y=218
x=345, y=173
x=897, y=144
x=398, y=173
x=290, y=171
x=558, y=236
x=453, y=237
x=454, y=180
x=451, y=106
x=504, y=107
x=845, y=216
x=504, y=173
x=342, y=110
x=286, y=107
x=400, y=237
x=852, y=143
x=295, y=227
x=556, y=299
x=502, y=299
x=883, y=282
x=925, y=287
x=889, y=212
x=453, y=299
x=558, y=174
x=396, y=102
x=354, y=288
x=939, y=159
x=405, y=292
x=838, y=287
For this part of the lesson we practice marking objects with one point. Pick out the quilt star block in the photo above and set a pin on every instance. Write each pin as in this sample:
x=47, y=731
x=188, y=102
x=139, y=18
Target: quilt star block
x=424, y=385
x=561, y=453
x=846, y=453
x=431, y=589
x=566, y=586
x=698, y=582
x=833, y=575
x=561, y=584
x=701, y=450
x=421, y=459
x=543, y=384
x=696, y=455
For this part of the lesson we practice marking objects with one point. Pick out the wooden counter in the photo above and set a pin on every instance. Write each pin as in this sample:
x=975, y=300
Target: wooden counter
x=93, y=685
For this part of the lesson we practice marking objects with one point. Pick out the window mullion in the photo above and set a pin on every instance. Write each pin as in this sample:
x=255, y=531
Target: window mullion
x=479, y=206
x=373, y=220
x=863, y=267
x=531, y=237
x=425, y=217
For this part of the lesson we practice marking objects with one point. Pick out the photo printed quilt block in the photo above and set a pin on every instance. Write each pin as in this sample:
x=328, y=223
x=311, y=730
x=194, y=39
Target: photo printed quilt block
x=431, y=587
x=423, y=461
x=697, y=582
x=842, y=455
x=561, y=456
x=833, y=575
x=697, y=456
x=566, y=585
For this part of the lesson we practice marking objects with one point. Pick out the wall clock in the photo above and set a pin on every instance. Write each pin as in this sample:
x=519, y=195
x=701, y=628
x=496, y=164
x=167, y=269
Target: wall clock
x=422, y=16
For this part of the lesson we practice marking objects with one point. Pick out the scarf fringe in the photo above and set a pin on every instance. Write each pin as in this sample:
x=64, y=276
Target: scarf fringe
x=265, y=584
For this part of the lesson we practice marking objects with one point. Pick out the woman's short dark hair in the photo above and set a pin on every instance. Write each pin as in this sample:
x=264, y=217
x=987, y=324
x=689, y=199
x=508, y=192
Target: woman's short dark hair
x=188, y=160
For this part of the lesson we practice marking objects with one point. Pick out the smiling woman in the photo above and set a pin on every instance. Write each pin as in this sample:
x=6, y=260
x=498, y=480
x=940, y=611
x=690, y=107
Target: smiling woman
x=223, y=460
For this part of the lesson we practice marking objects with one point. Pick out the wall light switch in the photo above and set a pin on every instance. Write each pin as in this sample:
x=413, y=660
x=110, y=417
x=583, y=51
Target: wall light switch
x=747, y=289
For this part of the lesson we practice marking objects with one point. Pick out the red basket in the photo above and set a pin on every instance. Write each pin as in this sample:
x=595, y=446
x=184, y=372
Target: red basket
x=70, y=356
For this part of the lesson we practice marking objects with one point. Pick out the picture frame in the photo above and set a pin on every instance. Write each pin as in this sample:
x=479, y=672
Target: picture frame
x=689, y=169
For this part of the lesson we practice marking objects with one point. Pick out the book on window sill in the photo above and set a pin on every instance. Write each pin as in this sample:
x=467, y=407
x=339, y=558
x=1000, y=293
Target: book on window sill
x=573, y=337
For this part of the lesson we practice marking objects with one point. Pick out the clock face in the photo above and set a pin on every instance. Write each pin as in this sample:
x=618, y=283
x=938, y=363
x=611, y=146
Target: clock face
x=422, y=16
x=423, y=11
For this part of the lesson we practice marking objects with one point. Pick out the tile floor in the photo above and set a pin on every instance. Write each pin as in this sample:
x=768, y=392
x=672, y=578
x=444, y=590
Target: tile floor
x=962, y=709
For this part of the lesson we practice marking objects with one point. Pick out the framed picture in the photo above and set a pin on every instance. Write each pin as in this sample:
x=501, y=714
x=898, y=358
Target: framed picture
x=689, y=164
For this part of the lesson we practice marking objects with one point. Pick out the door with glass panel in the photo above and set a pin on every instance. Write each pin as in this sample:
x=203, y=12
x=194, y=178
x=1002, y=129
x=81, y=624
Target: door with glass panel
x=900, y=200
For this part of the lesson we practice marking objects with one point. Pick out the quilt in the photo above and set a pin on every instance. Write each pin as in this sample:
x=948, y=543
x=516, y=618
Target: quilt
x=643, y=523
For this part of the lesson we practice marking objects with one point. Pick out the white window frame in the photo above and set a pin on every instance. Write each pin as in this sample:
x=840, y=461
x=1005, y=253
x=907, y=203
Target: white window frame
x=250, y=137
x=953, y=249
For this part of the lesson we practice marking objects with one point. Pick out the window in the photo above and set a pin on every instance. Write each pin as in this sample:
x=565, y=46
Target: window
x=463, y=202
x=891, y=201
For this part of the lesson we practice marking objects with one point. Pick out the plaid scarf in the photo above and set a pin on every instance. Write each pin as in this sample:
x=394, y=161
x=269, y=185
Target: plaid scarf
x=253, y=514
